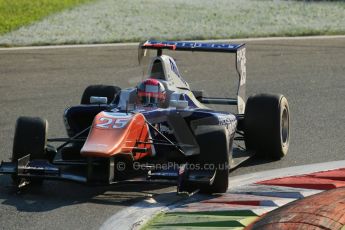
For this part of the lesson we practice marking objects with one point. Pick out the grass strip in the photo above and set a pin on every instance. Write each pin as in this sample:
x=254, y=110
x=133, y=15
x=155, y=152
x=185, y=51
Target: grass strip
x=211, y=219
x=17, y=13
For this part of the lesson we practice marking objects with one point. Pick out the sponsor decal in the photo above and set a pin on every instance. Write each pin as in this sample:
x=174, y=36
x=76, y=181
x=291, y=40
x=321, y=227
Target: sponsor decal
x=196, y=45
x=227, y=121
x=174, y=68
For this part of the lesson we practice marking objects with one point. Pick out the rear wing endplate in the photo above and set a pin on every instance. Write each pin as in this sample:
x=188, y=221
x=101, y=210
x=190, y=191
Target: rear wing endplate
x=238, y=49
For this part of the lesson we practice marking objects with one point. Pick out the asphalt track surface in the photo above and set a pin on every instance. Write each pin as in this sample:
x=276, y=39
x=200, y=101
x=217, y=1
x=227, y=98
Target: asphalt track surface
x=310, y=73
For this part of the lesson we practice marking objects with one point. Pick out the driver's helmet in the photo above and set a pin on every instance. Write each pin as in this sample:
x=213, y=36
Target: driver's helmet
x=151, y=92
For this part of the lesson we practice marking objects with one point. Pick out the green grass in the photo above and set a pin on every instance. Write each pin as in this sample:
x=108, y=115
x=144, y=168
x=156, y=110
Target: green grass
x=206, y=220
x=16, y=13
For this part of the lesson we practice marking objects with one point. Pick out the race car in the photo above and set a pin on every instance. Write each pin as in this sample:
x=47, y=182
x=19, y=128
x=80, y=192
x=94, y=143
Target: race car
x=157, y=131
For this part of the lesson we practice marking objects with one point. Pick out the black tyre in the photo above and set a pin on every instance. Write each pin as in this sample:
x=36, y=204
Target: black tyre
x=214, y=152
x=30, y=137
x=108, y=91
x=267, y=123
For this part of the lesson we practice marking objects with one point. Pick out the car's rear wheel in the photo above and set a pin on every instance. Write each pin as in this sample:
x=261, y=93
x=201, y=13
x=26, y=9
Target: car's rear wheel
x=108, y=91
x=214, y=155
x=30, y=137
x=267, y=125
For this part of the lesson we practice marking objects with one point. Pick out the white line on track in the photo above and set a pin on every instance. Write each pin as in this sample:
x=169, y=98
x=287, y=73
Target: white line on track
x=136, y=43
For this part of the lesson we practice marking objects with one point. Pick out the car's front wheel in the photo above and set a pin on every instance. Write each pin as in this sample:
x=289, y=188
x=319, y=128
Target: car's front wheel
x=30, y=137
x=215, y=156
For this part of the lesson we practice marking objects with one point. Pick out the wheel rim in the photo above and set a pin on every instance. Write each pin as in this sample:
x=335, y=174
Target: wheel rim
x=285, y=126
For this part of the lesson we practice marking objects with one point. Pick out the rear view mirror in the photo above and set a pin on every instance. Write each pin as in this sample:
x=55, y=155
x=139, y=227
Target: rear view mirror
x=98, y=100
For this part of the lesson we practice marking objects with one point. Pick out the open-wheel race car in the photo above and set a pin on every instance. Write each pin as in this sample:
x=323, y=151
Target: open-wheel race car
x=159, y=130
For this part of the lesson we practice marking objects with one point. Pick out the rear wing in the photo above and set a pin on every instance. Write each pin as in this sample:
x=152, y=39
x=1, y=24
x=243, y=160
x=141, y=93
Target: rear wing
x=238, y=49
x=192, y=46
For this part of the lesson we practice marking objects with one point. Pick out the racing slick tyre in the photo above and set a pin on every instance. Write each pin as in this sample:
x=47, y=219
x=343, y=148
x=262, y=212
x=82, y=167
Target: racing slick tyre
x=30, y=137
x=214, y=152
x=108, y=91
x=266, y=123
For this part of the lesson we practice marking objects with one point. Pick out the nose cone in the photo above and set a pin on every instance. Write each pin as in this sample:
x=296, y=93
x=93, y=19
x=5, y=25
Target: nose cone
x=114, y=133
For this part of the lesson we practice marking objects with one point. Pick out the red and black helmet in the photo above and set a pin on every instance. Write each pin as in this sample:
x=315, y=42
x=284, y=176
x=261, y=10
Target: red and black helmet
x=151, y=92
